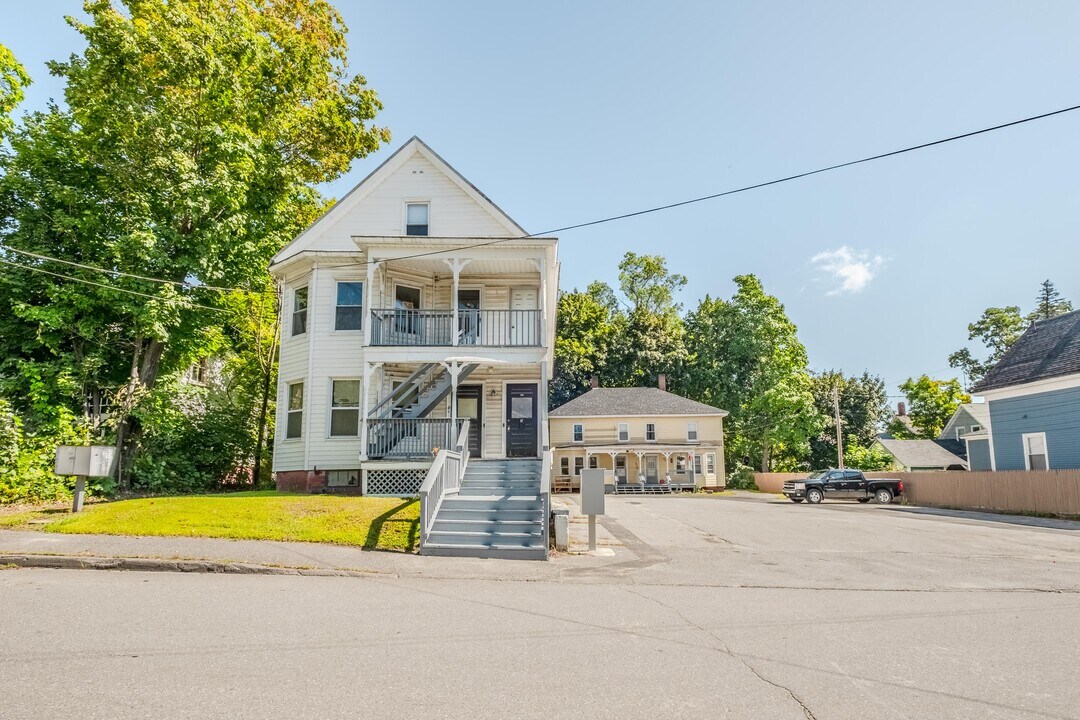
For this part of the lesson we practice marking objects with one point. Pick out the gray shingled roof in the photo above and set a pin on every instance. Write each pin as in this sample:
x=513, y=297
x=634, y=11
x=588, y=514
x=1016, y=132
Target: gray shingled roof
x=1049, y=348
x=926, y=453
x=632, y=402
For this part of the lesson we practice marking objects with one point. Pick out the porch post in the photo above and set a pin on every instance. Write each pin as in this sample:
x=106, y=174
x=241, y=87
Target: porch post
x=369, y=300
x=453, y=368
x=456, y=266
x=541, y=266
x=365, y=404
x=544, y=406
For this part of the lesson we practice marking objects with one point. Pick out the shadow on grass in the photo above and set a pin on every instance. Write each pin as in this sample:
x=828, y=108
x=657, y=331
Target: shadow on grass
x=376, y=527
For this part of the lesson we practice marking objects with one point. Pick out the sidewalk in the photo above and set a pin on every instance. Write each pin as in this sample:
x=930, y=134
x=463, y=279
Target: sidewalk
x=183, y=554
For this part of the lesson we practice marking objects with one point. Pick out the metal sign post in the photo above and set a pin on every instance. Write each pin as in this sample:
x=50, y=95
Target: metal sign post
x=592, y=500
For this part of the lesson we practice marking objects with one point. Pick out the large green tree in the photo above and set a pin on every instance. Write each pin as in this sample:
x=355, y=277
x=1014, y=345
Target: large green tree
x=931, y=403
x=997, y=329
x=746, y=357
x=864, y=409
x=587, y=326
x=13, y=78
x=649, y=333
x=191, y=141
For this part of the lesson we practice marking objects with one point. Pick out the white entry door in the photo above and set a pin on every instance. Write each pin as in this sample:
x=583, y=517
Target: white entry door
x=524, y=318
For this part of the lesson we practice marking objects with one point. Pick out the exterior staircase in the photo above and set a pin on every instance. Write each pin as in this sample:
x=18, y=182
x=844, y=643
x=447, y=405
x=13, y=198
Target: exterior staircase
x=497, y=513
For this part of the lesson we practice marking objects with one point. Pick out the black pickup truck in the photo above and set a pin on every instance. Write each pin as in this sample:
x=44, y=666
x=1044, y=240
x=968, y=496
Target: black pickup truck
x=833, y=484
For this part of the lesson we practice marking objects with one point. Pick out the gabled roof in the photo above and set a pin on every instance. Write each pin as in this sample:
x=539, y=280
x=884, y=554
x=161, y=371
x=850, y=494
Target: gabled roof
x=926, y=453
x=1048, y=349
x=632, y=402
x=377, y=176
x=979, y=412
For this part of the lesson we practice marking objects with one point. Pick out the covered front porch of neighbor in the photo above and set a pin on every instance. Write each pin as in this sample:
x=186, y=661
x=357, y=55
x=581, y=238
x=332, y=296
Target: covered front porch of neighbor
x=641, y=468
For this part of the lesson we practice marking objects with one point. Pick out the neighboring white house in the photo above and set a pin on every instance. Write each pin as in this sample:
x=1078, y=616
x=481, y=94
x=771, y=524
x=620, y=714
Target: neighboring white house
x=413, y=303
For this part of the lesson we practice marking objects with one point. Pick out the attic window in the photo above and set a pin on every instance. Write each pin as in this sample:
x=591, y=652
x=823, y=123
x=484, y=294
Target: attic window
x=416, y=219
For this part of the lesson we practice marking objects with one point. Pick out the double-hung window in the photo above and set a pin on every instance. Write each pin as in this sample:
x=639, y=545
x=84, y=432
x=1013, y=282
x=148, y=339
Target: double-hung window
x=650, y=432
x=416, y=218
x=1035, y=455
x=624, y=432
x=299, y=313
x=697, y=464
x=349, y=313
x=579, y=464
x=294, y=422
x=579, y=433
x=564, y=465
x=710, y=464
x=594, y=462
x=691, y=432
x=345, y=408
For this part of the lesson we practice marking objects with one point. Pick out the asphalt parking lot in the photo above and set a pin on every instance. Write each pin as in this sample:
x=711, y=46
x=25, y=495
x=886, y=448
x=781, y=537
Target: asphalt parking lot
x=712, y=607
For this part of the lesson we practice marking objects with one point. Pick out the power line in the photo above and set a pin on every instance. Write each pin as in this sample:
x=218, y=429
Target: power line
x=101, y=285
x=624, y=216
x=121, y=273
x=747, y=188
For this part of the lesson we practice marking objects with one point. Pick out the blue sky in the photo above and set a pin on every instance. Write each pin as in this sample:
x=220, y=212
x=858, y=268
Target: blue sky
x=564, y=112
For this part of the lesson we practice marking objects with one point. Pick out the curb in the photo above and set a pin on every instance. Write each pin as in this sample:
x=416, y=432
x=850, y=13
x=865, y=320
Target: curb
x=75, y=562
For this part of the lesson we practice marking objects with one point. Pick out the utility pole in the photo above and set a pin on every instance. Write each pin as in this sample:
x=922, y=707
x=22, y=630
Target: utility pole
x=839, y=430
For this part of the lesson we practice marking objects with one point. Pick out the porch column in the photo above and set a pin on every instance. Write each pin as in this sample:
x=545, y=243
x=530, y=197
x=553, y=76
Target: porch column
x=365, y=404
x=369, y=300
x=541, y=267
x=456, y=266
x=544, y=405
x=640, y=466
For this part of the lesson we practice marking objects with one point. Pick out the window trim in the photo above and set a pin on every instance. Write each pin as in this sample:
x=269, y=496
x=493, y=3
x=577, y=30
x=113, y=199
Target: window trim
x=594, y=462
x=696, y=432
x=710, y=460
x=577, y=433
x=564, y=466
x=363, y=304
x=619, y=429
x=295, y=311
x=579, y=465
x=648, y=426
x=289, y=411
x=405, y=217
x=330, y=408
x=1027, y=456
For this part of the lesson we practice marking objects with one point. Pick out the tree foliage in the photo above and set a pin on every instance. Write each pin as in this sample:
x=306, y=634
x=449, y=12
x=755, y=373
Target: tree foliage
x=191, y=141
x=13, y=78
x=997, y=329
x=745, y=357
x=864, y=409
x=1049, y=303
x=931, y=403
x=586, y=331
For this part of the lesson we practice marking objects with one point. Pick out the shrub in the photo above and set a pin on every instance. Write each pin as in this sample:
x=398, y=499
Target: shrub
x=741, y=478
x=27, y=458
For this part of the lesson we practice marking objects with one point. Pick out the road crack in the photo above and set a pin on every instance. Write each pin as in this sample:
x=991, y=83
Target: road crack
x=725, y=649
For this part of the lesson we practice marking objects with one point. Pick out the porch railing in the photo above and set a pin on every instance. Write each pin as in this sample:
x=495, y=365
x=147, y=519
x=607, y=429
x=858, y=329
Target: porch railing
x=490, y=328
x=444, y=478
x=408, y=438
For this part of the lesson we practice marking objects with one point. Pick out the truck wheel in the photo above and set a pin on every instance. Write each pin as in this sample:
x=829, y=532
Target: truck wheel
x=814, y=496
x=883, y=496
x=864, y=500
x=796, y=500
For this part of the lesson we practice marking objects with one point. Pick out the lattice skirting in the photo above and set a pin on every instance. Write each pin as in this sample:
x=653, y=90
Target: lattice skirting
x=394, y=483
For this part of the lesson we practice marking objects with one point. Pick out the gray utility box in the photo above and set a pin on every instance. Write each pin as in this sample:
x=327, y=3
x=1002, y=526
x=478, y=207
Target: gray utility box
x=592, y=492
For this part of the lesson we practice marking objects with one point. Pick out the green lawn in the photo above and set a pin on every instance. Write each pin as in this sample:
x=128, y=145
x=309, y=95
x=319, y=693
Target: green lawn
x=367, y=522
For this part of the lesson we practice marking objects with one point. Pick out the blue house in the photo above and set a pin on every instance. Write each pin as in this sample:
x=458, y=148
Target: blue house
x=1033, y=395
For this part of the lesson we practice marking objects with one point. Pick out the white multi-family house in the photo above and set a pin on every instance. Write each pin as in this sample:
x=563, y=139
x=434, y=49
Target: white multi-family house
x=414, y=304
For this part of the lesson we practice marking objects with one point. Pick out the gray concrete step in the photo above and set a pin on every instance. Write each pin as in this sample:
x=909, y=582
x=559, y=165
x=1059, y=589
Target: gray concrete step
x=492, y=502
x=486, y=514
x=478, y=551
x=531, y=526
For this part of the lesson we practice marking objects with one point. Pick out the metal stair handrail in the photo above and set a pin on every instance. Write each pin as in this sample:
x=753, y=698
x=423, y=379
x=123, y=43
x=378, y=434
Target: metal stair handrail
x=443, y=478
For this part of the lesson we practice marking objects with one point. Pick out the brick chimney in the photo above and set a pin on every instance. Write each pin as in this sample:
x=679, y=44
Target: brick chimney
x=594, y=381
x=661, y=382
x=901, y=409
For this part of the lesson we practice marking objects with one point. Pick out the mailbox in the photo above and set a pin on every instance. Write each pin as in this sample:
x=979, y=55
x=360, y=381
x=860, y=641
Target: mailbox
x=592, y=492
x=88, y=461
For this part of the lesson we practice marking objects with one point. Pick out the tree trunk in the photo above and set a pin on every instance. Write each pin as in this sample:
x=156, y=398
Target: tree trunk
x=260, y=440
x=123, y=427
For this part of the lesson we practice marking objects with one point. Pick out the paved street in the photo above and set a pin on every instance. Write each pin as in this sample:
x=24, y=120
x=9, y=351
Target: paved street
x=711, y=608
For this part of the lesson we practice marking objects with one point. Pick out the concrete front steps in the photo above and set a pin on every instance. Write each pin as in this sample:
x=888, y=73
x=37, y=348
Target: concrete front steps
x=498, y=513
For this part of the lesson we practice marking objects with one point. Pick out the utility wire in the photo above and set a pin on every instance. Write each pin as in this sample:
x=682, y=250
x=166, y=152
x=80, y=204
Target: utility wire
x=101, y=285
x=637, y=213
x=120, y=273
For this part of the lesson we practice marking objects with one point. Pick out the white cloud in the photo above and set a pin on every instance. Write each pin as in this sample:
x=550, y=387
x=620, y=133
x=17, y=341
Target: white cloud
x=848, y=270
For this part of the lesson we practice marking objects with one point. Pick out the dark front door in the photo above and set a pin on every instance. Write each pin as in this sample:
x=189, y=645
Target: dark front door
x=470, y=406
x=521, y=421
